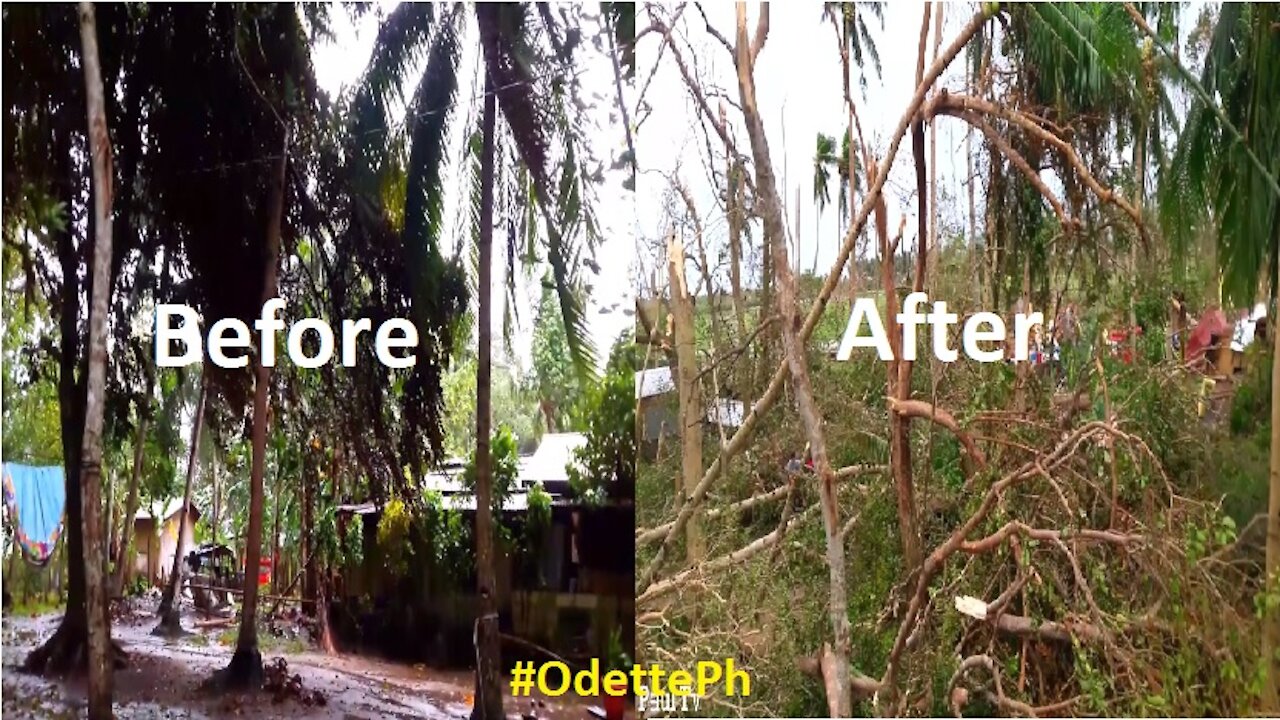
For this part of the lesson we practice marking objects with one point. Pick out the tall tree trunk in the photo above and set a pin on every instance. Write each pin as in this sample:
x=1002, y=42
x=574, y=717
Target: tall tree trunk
x=839, y=696
x=245, y=668
x=1271, y=630
x=975, y=267
x=690, y=396
x=100, y=669
x=488, y=705
x=169, y=617
x=733, y=192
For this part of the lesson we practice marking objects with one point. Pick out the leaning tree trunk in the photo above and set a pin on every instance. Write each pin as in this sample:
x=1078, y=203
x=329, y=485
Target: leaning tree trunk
x=839, y=695
x=488, y=705
x=100, y=668
x=245, y=668
x=170, y=622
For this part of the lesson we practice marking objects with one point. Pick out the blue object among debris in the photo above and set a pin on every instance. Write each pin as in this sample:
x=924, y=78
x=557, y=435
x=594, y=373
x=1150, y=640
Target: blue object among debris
x=36, y=498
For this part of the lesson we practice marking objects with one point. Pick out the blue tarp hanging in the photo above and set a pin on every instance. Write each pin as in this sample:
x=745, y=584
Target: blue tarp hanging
x=36, y=498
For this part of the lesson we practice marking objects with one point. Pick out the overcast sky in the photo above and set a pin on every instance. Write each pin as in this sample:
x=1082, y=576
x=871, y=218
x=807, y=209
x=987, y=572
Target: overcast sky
x=339, y=65
x=798, y=85
x=799, y=91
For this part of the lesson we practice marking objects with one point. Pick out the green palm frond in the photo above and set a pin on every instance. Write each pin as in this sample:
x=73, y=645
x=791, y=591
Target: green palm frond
x=426, y=127
x=1086, y=54
x=402, y=38
x=507, y=60
x=1228, y=155
x=823, y=158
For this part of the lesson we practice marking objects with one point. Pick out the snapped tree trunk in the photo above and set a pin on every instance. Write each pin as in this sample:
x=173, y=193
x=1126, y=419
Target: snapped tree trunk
x=169, y=616
x=488, y=704
x=100, y=668
x=245, y=668
x=124, y=558
x=734, y=193
x=690, y=395
x=840, y=699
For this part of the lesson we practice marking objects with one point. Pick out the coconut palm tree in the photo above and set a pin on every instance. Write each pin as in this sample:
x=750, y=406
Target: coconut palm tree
x=1223, y=176
x=825, y=160
x=529, y=171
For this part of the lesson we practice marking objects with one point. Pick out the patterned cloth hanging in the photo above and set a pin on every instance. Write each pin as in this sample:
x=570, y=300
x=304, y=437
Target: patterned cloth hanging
x=36, y=498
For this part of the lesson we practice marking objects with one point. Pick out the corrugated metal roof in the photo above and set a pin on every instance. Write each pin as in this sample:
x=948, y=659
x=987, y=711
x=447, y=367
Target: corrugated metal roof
x=654, y=381
x=164, y=510
x=548, y=463
x=726, y=412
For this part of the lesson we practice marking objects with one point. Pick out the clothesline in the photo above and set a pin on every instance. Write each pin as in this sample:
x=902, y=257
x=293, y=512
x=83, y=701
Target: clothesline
x=35, y=500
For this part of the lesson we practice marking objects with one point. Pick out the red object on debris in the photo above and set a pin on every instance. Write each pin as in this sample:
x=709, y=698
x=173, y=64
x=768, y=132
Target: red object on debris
x=264, y=570
x=1214, y=323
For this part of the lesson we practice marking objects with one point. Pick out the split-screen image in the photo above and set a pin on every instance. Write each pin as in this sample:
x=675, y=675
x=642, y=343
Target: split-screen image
x=621, y=360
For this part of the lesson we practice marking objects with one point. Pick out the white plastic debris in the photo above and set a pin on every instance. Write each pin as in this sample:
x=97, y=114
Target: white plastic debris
x=971, y=606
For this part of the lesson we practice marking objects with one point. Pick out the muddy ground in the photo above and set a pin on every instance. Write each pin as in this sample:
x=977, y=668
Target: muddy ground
x=164, y=679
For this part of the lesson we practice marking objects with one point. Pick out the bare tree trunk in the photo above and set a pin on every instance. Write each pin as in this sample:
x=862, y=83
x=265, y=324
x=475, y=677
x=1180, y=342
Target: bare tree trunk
x=974, y=264
x=733, y=194
x=690, y=395
x=840, y=700
x=124, y=558
x=100, y=668
x=169, y=617
x=488, y=705
x=245, y=668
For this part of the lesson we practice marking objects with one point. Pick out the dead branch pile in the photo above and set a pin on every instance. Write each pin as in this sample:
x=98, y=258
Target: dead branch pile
x=283, y=686
x=1051, y=585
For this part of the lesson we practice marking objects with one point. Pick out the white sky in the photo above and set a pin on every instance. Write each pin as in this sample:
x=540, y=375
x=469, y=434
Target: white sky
x=799, y=90
x=339, y=65
x=798, y=85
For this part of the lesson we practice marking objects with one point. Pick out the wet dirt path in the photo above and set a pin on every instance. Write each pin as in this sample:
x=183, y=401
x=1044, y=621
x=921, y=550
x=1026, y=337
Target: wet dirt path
x=164, y=679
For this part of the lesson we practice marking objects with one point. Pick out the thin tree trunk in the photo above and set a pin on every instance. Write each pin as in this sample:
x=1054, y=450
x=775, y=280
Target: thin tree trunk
x=1140, y=175
x=690, y=396
x=733, y=207
x=488, y=705
x=217, y=495
x=309, y=577
x=840, y=700
x=124, y=559
x=245, y=668
x=169, y=616
x=275, y=529
x=974, y=264
x=1271, y=629
x=100, y=669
